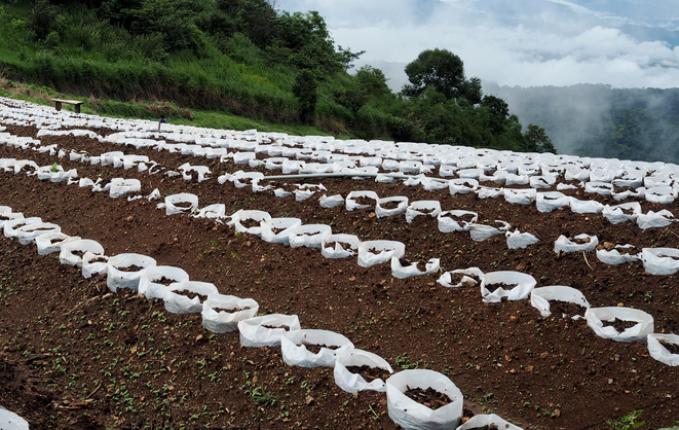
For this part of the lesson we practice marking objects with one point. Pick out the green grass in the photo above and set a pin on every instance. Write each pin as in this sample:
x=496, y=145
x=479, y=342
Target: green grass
x=41, y=94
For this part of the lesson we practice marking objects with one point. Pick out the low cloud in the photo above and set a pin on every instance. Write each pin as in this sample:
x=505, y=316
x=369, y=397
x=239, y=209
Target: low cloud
x=523, y=43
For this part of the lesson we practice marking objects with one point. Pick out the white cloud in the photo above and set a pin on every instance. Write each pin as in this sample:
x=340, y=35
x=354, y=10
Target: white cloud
x=527, y=43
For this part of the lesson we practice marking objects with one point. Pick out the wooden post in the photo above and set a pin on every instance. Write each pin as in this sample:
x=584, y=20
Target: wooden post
x=57, y=105
x=77, y=108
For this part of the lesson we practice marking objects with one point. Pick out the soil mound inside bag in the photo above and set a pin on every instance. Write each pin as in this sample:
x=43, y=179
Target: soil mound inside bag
x=428, y=397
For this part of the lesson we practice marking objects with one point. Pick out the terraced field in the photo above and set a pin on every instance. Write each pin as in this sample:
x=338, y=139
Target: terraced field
x=198, y=278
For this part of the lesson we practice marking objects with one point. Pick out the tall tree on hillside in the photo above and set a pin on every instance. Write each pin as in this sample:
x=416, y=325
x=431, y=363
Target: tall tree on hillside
x=443, y=71
x=305, y=89
x=537, y=140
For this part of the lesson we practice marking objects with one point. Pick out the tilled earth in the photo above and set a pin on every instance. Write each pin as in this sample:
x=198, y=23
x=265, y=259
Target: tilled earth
x=74, y=356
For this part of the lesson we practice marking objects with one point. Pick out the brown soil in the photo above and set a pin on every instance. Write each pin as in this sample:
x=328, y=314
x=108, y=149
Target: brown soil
x=366, y=201
x=420, y=265
x=553, y=363
x=249, y=223
x=132, y=268
x=315, y=348
x=673, y=348
x=559, y=309
x=498, y=285
x=389, y=205
x=429, y=397
x=620, y=325
x=369, y=373
x=274, y=327
x=191, y=295
x=227, y=310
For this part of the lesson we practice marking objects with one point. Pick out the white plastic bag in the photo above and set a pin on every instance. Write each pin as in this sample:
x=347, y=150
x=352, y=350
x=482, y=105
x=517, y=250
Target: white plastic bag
x=383, y=209
x=215, y=211
x=659, y=351
x=481, y=232
x=430, y=208
x=27, y=233
x=622, y=213
x=659, y=219
x=94, y=264
x=541, y=297
x=176, y=302
x=614, y=257
x=520, y=286
x=403, y=270
x=309, y=235
x=117, y=277
x=351, y=202
x=222, y=313
x=520, y=196
x=354, y=382
x=277, y=230
x=329, y=202
x=266, y=330
x=468, y=277
x=181, y=203
x=456, y=220
x=295, y=352
x=375, y=252
x=490, y=420
x=11, y=421
x=48, y=243
x=11, y=226
x=338, y=246
x=660, y=261
x=585, y=206
x=411, y=415
x=580, y=243
x=597, y=316
x=119, y=187
x=519, y=240
x=242, y=219
x=68, y=254
x=149, y=281
x=550, y=201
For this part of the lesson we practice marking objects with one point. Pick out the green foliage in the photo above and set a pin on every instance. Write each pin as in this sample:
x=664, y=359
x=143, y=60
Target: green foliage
x=631, y=421
x=243, y=58
x=537, y=140
x=305, y=90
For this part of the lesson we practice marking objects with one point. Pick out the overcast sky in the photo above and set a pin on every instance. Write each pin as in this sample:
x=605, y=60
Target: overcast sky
x=624, y=43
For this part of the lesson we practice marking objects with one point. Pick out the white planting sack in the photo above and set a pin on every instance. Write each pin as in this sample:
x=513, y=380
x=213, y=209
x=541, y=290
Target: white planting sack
x=222, y=313
x=412, y=415
x=351, y=202
x=404, y=269
x=277, y=230
x=11, y=421
x=309, y=235
x=462, y=186
x=551, y=201
x=6, y=214
x=434, y=184
x=242, y=219
x=266, y=330
x=354, y=382
x=181, y=203
x=117, y=277
x=390, y=206
x=456, y=220
x=27, y=233
x=541, y=297
x=71, y=253
x=622, y=213
x=597, y=187
x=652, y=219
x=149, y=281
x=520, y=286
x=329, y=202
x=375, y=252
x=11, y=226
x=520, y=196
x=659, y=351
x=120, y=187
x=660, y=261
x=663, y=194
x=177, y=301
x=467, y=277
x=580, y=243
x=519, y=240
x=215, y=211
x=94, y=264
x=488, y=421
x=585, y=206
x=481, y=232
x=338, y=246
x=431, y=208
x=49, y=243
x=295, y=352
x=615, y=257
x=489, y=193
x=642, y=328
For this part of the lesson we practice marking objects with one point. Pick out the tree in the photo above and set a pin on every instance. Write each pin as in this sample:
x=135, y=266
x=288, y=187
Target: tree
x=305, y=89
x=438, y=69
x=537, y=140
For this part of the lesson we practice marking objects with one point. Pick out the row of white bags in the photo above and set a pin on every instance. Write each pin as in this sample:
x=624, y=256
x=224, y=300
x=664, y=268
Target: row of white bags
x=497, y=286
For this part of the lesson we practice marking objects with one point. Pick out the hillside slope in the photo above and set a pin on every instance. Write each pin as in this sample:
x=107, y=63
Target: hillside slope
x=243, y=57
